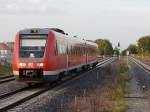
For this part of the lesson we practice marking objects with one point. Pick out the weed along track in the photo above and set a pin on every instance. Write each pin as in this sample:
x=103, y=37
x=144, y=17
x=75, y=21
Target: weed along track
x=10, y=100
x=139, y=75
x=77, y=94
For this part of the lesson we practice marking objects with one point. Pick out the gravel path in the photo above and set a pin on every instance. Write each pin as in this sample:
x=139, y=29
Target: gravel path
x=139, y=79
x=10, y=87
x=52, y=100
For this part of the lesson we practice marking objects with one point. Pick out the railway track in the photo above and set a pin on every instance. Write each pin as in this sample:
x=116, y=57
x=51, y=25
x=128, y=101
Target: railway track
x=10, y=100
x=141, y=64
x=138, y=97
x=6, y=78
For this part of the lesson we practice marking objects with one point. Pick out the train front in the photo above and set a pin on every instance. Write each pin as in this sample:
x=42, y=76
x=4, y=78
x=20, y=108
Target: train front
x=29, y=56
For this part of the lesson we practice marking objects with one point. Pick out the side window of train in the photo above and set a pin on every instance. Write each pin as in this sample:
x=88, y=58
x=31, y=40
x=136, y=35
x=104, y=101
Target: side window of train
x=76, y=50
x=68, y=49
x=56, y=49
x=59, y=48
x=82, y=50
x=66, y=45
x=63, y=47
x=72, y=50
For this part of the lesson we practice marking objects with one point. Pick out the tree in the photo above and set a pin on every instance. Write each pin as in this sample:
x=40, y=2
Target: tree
x=133, y=49
x=116, y=51
x=124, y=52
x=105, y=47
x=144, y=44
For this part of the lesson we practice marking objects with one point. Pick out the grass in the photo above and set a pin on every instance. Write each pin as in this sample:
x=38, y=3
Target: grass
x=120, y=106
x=108, y=93
x=145, y=57
x=5, y=68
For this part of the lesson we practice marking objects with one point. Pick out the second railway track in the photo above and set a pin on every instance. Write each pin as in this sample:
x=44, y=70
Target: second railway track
x=6, y=78
x=141, y=64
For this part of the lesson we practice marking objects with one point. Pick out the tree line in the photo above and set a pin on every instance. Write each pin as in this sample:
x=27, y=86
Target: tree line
x=104, y=47
x=142, y=47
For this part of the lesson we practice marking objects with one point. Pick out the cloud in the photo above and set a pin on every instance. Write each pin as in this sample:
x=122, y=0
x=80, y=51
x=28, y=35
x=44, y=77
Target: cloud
x=32, y=7
x=72, y=7
x=28, y=5
x=37, y=1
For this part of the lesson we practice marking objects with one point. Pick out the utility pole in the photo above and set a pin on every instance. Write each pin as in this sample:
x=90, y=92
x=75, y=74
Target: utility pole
x=119, y=49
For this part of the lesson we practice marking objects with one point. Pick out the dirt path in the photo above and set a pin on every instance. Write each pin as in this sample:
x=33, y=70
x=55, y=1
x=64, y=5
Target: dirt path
x=136, y=100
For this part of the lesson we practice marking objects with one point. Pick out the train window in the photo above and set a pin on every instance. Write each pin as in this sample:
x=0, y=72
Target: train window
x=76, y=49
x=69, y=49
x=83, y=51
x=56, y=49
x=80, y=50
x=63, y=49
x=32, y=47
x=72, y=51
x=60, y=49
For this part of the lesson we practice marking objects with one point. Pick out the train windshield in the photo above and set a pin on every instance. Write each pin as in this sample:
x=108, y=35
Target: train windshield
x=32, y=46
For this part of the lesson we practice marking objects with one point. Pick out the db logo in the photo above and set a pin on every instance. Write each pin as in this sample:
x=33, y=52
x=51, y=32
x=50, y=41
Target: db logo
x=30, y=64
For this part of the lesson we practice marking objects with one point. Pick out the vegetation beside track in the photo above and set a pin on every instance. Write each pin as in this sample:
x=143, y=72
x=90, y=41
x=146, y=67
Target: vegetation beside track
x=145, y=58
x=120, y=82
x=5, y=68
x=106, y=94
x=141, y=49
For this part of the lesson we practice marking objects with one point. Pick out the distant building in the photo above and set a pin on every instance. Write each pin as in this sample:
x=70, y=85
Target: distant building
x=10, y=45
x=6, y=50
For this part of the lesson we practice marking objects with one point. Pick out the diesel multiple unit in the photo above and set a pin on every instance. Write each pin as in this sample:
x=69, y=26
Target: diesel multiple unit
x=47, y=54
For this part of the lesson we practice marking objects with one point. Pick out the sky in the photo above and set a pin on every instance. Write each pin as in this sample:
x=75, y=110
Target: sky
x=123, y=21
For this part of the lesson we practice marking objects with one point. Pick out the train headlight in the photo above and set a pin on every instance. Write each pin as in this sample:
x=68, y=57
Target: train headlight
x=40, y=64
x=22, y=64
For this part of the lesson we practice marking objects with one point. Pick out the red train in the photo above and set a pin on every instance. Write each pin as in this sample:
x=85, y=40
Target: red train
x=46, y=54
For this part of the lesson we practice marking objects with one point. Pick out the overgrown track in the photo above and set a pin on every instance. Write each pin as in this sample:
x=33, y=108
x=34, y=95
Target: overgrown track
x=13, y=99
x=141, y=64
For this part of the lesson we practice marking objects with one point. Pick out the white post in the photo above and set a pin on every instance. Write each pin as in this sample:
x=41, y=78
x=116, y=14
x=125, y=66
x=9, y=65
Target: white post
x=127, y=53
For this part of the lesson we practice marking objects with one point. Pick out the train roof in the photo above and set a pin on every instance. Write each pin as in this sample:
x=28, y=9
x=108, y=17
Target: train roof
x=41, y=31
x=91, y=43
x=47, y=30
